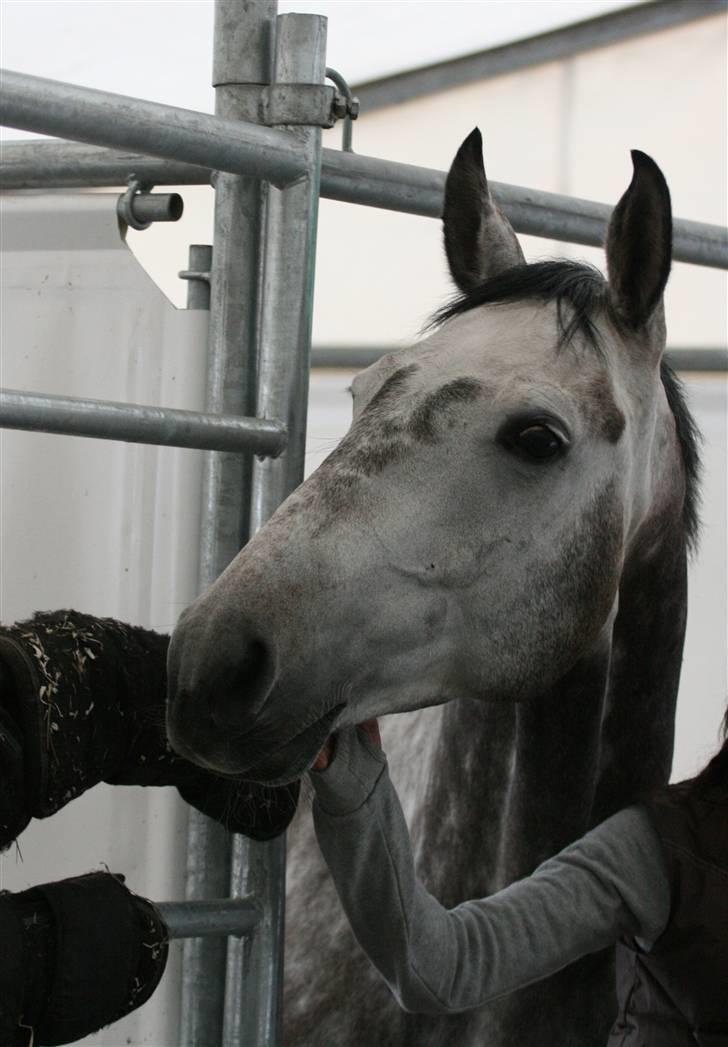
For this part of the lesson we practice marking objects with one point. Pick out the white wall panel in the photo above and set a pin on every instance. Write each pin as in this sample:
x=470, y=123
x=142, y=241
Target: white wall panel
x=105, y=527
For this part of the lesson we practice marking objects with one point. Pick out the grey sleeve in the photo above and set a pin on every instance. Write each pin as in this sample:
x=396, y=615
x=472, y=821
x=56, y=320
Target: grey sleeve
x=611, y=882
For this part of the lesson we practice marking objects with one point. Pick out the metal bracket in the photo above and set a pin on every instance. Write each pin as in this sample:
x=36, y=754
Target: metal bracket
x=346, y=105
x=297, y=105
x=138, y=207
x=195, y=274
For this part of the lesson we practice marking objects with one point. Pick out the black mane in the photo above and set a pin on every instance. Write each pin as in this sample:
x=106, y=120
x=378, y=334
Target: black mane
x=580, y=292
x=575, y=285
x=688, y=435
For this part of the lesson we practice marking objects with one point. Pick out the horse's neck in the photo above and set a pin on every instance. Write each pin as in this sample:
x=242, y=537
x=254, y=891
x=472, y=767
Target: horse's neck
x=494, y=789
x=510, y=784
x=647, y=649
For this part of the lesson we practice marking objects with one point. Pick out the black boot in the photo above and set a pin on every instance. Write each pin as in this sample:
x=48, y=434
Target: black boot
x=76, y=955
x=83, y=701
x=14, y=815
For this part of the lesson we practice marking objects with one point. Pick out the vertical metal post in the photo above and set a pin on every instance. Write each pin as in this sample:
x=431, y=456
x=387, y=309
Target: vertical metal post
x=255, y=967
x=243, y=49
x=198, y=287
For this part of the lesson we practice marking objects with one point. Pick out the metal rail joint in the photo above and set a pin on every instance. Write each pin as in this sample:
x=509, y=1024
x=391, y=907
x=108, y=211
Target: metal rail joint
x=297, y=105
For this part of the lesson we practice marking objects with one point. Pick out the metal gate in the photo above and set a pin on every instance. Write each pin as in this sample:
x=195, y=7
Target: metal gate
x=262, y=152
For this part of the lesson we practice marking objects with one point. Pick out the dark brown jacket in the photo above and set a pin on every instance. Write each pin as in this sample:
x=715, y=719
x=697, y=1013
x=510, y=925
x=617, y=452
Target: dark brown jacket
x=676, y=995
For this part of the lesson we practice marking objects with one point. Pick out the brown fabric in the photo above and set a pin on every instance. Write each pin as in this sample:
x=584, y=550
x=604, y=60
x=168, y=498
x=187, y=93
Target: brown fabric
x=677, y=994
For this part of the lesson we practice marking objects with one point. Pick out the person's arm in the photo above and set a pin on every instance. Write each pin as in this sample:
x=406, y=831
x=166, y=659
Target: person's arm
x=611, y=882
x=97, y=687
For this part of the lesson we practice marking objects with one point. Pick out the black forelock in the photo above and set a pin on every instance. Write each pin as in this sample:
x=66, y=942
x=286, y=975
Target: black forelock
x=578, y=289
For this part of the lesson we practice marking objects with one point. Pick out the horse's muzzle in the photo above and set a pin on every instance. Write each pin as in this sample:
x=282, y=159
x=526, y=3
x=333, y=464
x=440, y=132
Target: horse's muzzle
x=293, y=758
x=270, y=752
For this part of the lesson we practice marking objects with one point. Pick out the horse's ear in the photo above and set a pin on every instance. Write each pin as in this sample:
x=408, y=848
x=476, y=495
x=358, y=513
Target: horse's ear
x=639, y=244
x=479, y=240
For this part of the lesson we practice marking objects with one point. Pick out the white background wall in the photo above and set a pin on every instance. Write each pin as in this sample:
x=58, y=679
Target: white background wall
x=104, y=527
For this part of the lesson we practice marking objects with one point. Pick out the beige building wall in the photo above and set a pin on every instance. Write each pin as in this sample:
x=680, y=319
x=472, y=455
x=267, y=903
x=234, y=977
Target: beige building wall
x=565, y=127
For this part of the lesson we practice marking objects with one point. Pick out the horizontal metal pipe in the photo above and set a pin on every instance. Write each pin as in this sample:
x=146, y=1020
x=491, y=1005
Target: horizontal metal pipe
x=354, y=358
x=203, y=919
x=355, y=179
x=86, y=115
x=139, y=423
x=419, y=190
x=58, y=164
x=157, y=207
x=713, y=360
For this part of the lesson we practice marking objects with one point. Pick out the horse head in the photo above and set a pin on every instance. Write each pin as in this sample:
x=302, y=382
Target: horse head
x=467, y=537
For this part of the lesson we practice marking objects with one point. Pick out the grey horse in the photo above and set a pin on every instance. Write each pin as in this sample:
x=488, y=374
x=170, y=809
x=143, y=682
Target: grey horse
x=497, y=548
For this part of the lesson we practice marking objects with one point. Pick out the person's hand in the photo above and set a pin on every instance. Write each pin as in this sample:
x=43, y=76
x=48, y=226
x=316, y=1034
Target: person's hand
x=370, y=728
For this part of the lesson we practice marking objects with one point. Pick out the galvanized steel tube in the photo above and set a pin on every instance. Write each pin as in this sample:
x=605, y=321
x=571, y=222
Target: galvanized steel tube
x=138, y=423
x=288, y=281
x=354, y=358
x=255, y=973
x=99, y=117
x=367, y=180
x=254, y=982
x=146, y=208
x=59, y=164
x=357, y=179
x=238, y=917
x=242, y=50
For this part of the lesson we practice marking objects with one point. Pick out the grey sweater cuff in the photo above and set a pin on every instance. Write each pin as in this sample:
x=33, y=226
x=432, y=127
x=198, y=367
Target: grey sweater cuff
x=348, y=781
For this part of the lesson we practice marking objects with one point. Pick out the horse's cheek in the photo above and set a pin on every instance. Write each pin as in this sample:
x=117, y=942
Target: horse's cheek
x=558, y=609
x=583, y=587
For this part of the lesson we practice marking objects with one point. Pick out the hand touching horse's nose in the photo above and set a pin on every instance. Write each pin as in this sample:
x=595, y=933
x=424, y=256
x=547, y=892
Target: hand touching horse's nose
x=370, y=728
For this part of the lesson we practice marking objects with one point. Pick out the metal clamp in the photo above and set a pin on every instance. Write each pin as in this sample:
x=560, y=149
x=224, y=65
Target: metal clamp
x=294, y=105
x=138, y=207
x=300, y=105
x=346, y=107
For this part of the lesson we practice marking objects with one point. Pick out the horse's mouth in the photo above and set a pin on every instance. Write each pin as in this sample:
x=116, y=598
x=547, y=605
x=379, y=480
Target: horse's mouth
x=291, y=760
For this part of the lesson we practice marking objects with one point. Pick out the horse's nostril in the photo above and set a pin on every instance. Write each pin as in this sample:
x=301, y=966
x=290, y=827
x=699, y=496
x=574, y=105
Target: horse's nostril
x=254, y=659
x=239, y=693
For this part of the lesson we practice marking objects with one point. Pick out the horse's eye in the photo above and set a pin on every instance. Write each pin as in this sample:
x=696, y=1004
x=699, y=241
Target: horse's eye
x=536, y=441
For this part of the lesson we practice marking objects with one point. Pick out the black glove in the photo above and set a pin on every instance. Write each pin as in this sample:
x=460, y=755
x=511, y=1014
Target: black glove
x=76, y=955
x=13, y=808
x=82, y=700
